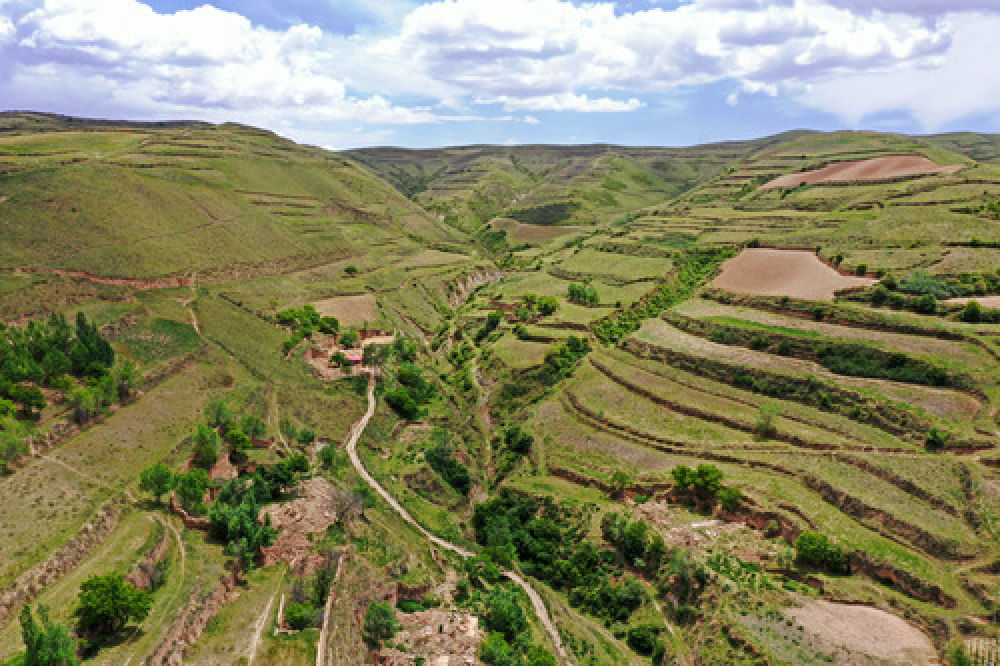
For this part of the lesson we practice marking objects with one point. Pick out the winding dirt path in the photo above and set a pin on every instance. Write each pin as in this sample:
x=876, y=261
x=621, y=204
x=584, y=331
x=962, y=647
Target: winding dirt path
x=352, y=442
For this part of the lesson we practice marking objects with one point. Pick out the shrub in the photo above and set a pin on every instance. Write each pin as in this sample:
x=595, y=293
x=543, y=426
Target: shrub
x=46, y=643
x=206, y=446
x=816, y=550
x=925, y=304
x=518, y=440
x=349, y=339
x=300, y=616
x=880, y=294
x=191, y=489
x=730, y=498
x=238, y=439
x=765, y=419
x=380, y=622
x=504, y=612
x=547, y=305
x=454, y=473
x=107, y=603
x=403, y=403
x=643, y=638
x=497, y=652
x=936, y=439
x=972, y=312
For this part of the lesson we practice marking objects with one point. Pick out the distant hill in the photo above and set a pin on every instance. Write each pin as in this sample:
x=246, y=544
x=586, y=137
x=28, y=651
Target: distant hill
x=470, y=185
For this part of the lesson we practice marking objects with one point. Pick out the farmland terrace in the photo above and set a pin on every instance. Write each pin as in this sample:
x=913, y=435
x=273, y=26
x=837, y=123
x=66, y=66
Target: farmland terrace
x=705, y=402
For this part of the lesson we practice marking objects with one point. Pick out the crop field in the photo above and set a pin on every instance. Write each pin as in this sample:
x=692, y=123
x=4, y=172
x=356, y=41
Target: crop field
x=648, y=381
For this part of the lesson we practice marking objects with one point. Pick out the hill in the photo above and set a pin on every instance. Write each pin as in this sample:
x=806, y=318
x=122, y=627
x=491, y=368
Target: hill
x=162, y=200
x=718, y=404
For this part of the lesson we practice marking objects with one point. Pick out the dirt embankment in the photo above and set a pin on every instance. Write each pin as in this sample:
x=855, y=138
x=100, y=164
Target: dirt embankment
x=192, y=621
x=32, y=582
x=143, y=574
x=459, y=292
x=876, y=168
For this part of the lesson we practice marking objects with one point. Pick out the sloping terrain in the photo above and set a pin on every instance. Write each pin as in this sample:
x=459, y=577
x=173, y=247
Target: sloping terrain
x=784, y=458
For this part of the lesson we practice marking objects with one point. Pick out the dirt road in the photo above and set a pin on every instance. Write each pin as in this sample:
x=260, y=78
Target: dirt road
x=352, y=442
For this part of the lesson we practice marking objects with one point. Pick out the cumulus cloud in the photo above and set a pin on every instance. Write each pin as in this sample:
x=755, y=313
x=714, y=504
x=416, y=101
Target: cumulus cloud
x=962, y=84
x=541, y=50
x=454, y=59
x=199, y=59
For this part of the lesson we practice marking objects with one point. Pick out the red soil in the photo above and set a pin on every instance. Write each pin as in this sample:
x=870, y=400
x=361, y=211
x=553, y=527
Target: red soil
x=797, y=273
x=878, y=168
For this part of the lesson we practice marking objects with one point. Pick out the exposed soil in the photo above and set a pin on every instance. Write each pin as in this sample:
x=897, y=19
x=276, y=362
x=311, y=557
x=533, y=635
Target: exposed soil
x=443, y=638
x=797, y=273
x=878, y=168
x=866, y=634
x=985, y=301
x=349, y=309
x=310, y=513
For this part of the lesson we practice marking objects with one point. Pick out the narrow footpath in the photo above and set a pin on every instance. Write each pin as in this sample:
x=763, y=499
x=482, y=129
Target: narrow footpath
x=352, y=442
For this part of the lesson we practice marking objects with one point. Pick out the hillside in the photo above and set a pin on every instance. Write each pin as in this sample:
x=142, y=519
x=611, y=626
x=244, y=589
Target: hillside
x=164, y=200
x=469, y=186
x=724, y=404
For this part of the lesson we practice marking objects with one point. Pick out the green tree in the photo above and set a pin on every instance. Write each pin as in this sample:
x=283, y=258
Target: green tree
x=497, y=652
x=218, y=414
x=925, y=304
x=253, y=426
x=206, y=446
x=504, y=612
x=972, y=312
x=127, y=378
x=46, y=643
x=349, y=339
x=539, y=656
x=107, y=603
x=156, y=480
x=238, y=439
x=191, y=489
x=380, y=622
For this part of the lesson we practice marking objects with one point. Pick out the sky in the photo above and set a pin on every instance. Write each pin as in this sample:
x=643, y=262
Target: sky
x=349, y=73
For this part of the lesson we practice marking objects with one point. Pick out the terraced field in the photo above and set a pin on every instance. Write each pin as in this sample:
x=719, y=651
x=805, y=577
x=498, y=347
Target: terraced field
x=572, y=327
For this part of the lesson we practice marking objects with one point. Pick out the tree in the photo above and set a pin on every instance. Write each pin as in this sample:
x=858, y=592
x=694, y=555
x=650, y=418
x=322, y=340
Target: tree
x=518, y=440
x=156, y=480
x=29, y=397
x=497, y=652
x=504, y=612
x=936, y=439
x=380, y=621
x=46, y=643
x=107, y=603
x=349, y=338
x=925, y=304
x=84, y=404
x=547, y=305
x=539, y=656
x=305, y=436
x=253, y=426
x=730, y=498
x=238, y=439
x=765, y=419
x=191, y=489
x=817, y=550
x=619, y=482
x=972, y=312
x=218, y=415
x=126, y=376
x=206, y=446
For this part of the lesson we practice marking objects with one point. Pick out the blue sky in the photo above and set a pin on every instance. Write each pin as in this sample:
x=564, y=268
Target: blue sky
x=346, y=73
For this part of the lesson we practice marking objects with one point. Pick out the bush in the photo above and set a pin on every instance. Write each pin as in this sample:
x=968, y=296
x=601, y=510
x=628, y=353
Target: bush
x=925, y=304
x=497, y=652
x=936, y=439
x=454, y=473
x=729, y=498
x=107, y=603
x=504, y=613
x=206, y=446
x=972, y=312
x=46, y=643
x=403, y=403
x=301, y=616
x=816, y=550
x=518, y=440
x=380, y=622
x=879, y=295
x=238, y=439
x=643, y=638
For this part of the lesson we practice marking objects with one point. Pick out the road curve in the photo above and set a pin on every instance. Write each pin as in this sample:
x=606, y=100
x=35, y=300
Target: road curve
x=352, y=443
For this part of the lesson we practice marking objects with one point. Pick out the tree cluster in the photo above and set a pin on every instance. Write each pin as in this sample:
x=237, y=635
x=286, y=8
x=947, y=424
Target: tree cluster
x=305, y=322
x=816, y=550
x=582, y=294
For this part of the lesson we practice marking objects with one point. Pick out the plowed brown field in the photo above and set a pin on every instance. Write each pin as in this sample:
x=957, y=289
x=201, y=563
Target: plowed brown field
x=877, y=168
x=797, y=273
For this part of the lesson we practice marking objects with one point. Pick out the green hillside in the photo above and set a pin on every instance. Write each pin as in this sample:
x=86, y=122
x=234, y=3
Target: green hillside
x=604, y=444
x=159, y=200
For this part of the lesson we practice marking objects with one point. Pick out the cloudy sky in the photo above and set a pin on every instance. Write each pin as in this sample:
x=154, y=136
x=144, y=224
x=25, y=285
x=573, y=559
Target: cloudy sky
x=346, y=73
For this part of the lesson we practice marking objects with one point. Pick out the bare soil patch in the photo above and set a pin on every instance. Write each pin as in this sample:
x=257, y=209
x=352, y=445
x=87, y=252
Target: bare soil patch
x=443, y=638
x=797, y=273
x=533, y=233
x=985, y=301
x=867, y=634
x=311, y=513
x=877, y=168
x=349, y=310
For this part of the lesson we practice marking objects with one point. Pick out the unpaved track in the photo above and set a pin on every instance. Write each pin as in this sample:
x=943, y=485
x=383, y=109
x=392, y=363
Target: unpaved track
x=352, y=443
x=258, y=631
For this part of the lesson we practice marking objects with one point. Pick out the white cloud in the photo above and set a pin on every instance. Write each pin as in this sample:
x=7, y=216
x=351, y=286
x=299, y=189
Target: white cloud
x=531, y=120
x=964, y=82
x=564, y=102
x=203, y=60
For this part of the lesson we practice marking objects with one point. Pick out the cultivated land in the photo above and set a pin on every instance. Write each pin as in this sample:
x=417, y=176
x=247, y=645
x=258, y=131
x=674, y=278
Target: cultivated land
x=841, y=387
